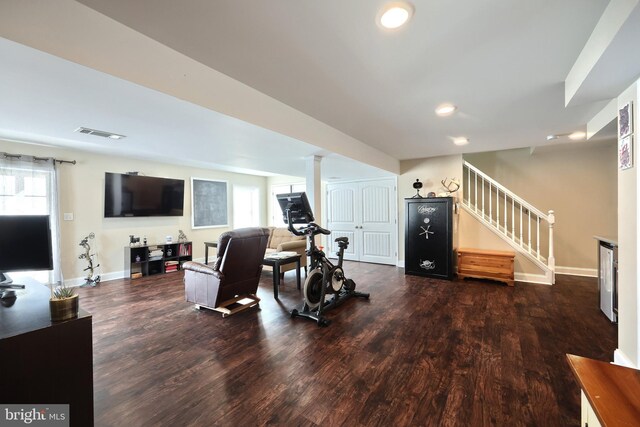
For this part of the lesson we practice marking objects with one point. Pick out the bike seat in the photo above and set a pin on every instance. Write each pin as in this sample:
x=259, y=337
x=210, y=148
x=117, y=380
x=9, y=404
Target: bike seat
x=342, y=239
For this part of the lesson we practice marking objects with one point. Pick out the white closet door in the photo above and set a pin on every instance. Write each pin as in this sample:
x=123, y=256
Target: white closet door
x=342, y=220
x=378, y=222
x=365, y=212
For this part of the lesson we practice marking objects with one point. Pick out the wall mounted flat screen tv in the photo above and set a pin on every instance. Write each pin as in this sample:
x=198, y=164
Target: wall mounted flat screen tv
x=136, y=195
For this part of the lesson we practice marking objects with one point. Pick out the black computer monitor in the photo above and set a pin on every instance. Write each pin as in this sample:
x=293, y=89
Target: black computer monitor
x=25, y=244
x=298, y=206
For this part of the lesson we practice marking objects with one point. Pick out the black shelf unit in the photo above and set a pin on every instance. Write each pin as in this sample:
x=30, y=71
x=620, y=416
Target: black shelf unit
x=139, y=261
x=428, y=238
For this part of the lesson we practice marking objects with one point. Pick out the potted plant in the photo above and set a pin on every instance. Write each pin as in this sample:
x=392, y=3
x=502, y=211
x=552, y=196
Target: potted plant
x=63, y=304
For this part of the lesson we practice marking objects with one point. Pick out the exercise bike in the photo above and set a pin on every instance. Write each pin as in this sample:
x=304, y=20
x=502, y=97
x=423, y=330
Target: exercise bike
x=324, y=277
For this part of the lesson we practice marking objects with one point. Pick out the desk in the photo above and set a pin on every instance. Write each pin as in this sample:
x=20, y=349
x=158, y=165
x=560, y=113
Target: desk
x=46, y=362
x=276, y=263
x=208, y=245
x=609, y=392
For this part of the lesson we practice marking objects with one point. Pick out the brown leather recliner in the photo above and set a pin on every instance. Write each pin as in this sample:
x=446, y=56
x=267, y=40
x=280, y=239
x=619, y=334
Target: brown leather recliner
x=234, y=275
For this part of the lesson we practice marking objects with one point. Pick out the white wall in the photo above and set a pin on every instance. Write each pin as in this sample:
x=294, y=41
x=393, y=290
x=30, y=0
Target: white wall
x=628, y=187
x=82, y=193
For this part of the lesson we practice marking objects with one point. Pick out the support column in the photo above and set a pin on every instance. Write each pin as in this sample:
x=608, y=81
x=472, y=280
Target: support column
x=314, y=191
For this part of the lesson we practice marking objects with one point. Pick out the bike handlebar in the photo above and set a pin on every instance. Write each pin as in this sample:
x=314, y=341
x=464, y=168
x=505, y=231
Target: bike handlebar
x=312, y=228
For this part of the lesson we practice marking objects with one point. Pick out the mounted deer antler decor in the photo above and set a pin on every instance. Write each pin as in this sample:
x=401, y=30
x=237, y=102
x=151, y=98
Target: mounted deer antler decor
x=452, y=186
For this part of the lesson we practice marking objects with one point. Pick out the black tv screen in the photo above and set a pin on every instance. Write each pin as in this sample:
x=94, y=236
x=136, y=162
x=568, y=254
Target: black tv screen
x=25, y=243
x=137, y=195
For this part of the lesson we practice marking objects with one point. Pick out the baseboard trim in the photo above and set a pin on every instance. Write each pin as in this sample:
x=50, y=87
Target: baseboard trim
x=576, y=271
x=619, y=358
x=531, y=278
x=400, y=263
x=79, y=281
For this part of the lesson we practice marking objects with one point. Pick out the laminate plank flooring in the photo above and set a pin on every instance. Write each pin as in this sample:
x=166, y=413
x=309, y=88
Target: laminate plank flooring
x=420, y=352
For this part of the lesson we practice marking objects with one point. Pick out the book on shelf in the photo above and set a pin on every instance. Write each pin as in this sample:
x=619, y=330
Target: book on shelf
x=155, y=254
x=185, y=249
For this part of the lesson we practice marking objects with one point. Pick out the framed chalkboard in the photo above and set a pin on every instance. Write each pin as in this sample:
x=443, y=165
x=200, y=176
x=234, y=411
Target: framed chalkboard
x=209, y=207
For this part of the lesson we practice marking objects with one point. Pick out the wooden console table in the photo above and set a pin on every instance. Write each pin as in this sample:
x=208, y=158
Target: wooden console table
x=486, y=264
x=45, y=362
x=610, y=393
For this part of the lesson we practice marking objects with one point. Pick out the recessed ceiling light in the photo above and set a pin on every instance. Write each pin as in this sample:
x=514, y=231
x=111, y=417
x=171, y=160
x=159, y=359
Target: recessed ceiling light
x=444, y=110
x=551, y=137
x=461, y=140
x=578, y=135
x=395, y=14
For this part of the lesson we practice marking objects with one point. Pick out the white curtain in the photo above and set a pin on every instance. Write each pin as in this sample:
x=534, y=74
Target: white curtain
x=29, y=186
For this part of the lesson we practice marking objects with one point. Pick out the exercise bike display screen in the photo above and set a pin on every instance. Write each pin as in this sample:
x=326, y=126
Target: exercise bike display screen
x=298, y=206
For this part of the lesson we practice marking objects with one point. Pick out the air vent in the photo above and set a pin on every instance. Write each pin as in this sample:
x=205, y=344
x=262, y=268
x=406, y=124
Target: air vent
x=88, y=131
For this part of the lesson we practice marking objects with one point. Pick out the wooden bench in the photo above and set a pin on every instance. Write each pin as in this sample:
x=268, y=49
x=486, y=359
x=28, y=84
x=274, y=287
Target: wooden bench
x=486, y=264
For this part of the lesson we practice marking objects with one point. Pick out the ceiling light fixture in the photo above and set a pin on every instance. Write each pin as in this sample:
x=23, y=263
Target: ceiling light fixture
x=461, y=140
x=444, y=110
x=395, y=14
x=578, y=135
x=574, y=136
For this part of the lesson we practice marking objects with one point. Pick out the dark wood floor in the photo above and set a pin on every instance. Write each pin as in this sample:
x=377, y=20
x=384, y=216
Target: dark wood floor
x=420, y=352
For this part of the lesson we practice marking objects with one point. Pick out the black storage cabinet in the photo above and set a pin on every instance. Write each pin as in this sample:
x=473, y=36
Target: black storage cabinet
x=428, y=237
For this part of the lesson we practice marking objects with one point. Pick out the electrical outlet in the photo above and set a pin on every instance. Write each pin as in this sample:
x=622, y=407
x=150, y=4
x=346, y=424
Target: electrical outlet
x=68, y=216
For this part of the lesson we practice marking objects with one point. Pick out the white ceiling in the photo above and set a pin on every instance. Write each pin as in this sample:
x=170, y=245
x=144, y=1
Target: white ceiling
x=503, y=63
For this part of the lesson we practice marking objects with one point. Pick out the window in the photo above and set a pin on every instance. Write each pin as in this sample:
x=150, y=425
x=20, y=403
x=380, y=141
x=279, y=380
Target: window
x=246, y=206
x=29, y=188
x=23, y=192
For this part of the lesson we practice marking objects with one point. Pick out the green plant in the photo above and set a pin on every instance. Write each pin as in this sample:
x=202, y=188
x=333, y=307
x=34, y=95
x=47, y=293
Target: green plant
x=63, y=292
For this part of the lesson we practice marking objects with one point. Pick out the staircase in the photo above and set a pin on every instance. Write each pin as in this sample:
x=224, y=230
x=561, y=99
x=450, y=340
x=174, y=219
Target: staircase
x=513, y=219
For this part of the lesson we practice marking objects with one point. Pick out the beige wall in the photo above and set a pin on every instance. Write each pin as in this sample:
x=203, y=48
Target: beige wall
x=578, y=181
x=82, y=193
x=430, y=172
x=628, y=328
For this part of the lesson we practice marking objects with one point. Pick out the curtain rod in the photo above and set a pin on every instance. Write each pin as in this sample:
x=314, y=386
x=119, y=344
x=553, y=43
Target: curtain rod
x=35, y=159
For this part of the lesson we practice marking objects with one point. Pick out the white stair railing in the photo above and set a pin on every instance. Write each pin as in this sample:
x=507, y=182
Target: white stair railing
x=511, y=217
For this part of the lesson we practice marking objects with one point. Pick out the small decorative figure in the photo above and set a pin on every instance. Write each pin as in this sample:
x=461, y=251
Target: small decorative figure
x=133, y=240
x=417, y=185
x=181, y=236
x=91, y=279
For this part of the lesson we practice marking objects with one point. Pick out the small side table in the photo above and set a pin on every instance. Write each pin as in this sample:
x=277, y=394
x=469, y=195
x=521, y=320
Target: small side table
x=208, y=245
x=276, y=263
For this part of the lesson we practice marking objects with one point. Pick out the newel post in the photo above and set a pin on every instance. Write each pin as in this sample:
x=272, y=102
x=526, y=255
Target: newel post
x=552, y=259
